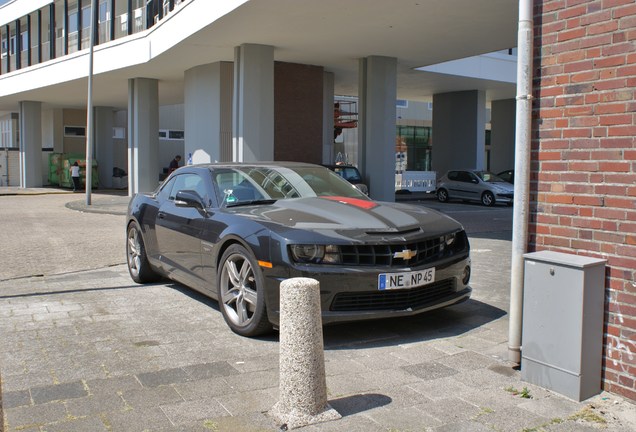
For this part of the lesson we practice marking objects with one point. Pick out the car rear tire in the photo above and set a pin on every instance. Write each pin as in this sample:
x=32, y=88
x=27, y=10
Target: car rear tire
x=442, y=195
x=241, y=292
x=488, y=199
x=136, y=258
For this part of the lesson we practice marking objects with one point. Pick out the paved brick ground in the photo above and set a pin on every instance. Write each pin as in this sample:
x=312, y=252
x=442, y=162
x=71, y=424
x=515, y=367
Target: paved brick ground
x=86, y=349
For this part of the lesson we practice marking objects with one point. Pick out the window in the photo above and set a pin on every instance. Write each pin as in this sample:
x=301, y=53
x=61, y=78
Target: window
x=45, y=32
x=86, y=17
x=73, y=26
x=104, y=21
x=176, y=134
x=74, y=131
x=171, y=134
x=418, y=146
x=34, y=36
x=189, y=182
x=86, y=27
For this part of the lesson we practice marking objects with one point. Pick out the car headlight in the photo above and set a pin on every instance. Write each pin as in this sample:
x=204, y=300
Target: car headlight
x=315, y=254
x=446, y=241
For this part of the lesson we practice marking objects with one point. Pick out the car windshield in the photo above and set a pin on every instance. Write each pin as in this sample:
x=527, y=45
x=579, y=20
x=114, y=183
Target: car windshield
x=254, y=184
x=489, y=177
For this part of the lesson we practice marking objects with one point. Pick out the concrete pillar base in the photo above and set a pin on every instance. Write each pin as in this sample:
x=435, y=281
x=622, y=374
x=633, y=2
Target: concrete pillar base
x=296, y=419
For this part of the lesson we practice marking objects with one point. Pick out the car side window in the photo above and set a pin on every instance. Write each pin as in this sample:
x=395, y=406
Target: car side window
x=452, y=175
x=465, y=177
x=164, y=192
x=189, y=182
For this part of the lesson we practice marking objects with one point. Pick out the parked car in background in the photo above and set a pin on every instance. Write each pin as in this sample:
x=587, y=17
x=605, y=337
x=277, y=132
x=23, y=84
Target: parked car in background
x=350, y=174
x=235, y=231
x=507, y=175
x=474, y=185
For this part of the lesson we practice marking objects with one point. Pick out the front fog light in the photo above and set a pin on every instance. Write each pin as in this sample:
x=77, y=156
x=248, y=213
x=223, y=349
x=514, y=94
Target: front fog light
x=466, y=275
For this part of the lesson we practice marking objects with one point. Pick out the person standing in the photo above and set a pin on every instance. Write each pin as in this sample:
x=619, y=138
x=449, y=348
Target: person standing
x=174, y=164
x=75, y=175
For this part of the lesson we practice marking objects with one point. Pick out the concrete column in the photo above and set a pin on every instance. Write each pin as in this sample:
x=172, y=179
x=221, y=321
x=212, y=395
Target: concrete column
x=459, y=130
x=502, y=134
x=253, y=120
x=376, y=138
x=208, y=112
x=143, y=135
x=31, y=144
x=104, y=156
x=328, y=96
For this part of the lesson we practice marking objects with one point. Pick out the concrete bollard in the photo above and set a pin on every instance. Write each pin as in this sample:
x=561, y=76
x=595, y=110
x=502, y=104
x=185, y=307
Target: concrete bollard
x=303, y=383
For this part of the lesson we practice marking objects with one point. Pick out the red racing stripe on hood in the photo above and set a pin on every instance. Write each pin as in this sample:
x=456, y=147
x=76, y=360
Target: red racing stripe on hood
x=352, y=201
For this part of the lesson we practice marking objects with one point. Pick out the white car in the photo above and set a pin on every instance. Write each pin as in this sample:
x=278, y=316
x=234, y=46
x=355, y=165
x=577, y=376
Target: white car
x=474, y=185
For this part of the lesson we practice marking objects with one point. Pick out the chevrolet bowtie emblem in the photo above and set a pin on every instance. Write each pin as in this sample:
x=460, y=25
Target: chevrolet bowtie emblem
x=406, y=254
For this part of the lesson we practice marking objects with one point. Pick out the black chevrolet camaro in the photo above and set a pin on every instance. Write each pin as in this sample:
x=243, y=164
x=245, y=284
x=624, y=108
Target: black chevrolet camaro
x=234, y=231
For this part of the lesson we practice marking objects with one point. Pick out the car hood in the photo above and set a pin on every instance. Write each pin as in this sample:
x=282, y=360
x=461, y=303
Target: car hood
x=346, y=214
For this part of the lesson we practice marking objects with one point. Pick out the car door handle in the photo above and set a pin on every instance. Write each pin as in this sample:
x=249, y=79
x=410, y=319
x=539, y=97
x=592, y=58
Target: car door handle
x=161, y=215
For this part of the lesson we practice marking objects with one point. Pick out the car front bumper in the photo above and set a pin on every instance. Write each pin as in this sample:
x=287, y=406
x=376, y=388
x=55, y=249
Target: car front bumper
x=352, y=294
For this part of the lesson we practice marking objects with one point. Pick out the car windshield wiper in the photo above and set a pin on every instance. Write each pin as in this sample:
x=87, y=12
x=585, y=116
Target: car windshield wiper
x=250, y=202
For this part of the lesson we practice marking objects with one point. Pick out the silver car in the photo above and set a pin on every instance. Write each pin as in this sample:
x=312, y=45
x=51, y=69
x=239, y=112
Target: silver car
x=474, y=185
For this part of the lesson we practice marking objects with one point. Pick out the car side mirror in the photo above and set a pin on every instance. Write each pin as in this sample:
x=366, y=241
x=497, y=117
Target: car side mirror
x=189, y=198
x=475, y=181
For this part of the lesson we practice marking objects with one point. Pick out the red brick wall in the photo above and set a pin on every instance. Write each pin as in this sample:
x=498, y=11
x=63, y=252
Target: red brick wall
x=583, y=179
x=298, y=92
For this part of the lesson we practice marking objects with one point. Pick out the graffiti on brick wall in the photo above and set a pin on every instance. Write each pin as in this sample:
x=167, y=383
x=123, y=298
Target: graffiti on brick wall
x=620, y=352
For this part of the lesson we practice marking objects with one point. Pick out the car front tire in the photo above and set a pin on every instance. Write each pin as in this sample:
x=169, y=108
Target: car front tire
x=241, y=292
x=136, y=258
x=442, y=195
x=488, y=199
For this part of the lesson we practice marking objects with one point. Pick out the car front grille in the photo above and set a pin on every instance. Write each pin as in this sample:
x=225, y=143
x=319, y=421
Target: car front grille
x=394, y=300
x=425, y=251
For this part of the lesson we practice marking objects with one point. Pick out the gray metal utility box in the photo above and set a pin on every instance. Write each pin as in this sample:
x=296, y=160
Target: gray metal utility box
x=562, y=334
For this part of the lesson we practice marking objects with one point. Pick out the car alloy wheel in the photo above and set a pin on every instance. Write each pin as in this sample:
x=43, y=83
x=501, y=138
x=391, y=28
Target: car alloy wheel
x=138, y=266
x=241, y=287
x=442, y=195
x=488, y=199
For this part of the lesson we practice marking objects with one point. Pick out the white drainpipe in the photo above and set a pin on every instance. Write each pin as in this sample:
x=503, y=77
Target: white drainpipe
x=522, y=176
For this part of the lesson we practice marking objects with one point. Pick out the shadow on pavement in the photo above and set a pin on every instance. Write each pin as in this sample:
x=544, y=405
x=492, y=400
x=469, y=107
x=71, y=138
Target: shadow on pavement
x=442, y=323
x=355, y=404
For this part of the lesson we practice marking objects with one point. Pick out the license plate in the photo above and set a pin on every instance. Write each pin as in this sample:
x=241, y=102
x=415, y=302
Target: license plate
x=413, y=279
